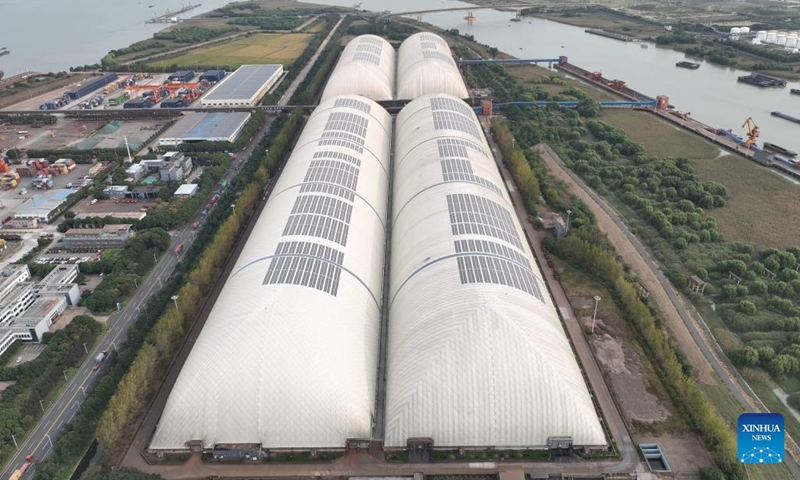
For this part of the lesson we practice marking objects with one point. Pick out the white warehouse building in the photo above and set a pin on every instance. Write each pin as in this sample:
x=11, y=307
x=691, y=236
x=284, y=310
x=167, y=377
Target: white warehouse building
x=425, y=65
x=476, y=355
x=289, y=353
x=366, y=67
x=244, y=87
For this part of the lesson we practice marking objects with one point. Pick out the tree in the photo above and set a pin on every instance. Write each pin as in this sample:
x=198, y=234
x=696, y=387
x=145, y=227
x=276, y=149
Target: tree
x=746, y=307
x=589, y=107
x=127, y=473
x=729, y=292
x=746, y=357
x=783, y=365
x=711, y=473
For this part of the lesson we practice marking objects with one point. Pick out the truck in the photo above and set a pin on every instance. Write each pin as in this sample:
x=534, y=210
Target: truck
x=18, y=473
x=99, y=359
x=178, y=249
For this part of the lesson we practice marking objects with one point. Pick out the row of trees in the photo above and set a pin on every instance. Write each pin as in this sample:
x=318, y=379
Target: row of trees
x=586, y=247
x=310, y=88
x=125, y=269
x=685, y=394
x=38, y=379
x=136, y=387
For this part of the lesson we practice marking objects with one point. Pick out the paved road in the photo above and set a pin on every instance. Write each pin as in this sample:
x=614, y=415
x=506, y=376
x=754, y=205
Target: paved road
x=602, y=395
x=304, y=72
x=59, y=413
x=600, y=207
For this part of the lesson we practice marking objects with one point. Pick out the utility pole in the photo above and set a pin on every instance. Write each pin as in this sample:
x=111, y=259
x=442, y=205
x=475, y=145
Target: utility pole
x=594, y=316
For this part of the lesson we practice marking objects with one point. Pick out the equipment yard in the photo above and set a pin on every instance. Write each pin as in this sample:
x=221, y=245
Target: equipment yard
x=113, y=134
x=260, y=48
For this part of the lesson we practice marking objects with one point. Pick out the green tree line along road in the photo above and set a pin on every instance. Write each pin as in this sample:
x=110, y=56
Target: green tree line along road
x=670, y=197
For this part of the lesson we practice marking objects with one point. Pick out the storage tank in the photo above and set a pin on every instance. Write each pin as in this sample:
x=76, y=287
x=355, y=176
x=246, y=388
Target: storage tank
x=736, y=31
x=791, y=41
x=772, y=36
x=761, y=35
x=744, y=30
x=781, y=39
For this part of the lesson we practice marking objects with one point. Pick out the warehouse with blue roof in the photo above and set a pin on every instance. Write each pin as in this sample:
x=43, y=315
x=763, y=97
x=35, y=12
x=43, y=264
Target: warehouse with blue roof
x=205, y=127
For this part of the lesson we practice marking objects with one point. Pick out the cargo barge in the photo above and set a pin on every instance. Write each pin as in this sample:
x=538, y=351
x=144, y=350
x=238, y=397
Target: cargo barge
x=785, y=117
x=689, y=65
x=795, y=91
x=615, y=36
x=760, y=80
x=779, y=150
x=4, y=51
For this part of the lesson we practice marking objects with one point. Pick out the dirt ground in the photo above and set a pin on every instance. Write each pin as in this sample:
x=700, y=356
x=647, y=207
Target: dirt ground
x=69, y=314
x=63, y=134
x=685, y=454
x=658, y=295
x=624, y=368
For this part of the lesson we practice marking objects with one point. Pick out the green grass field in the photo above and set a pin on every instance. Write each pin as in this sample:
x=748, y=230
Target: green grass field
x=259, y=48
x=762, y=206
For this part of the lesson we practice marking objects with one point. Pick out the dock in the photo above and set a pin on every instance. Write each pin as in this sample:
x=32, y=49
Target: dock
x=615, y=36
x=172, y=17
x=662, y=108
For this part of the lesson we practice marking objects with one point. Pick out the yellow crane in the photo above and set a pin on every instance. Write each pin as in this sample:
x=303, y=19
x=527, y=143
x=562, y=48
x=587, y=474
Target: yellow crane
x=752, y=132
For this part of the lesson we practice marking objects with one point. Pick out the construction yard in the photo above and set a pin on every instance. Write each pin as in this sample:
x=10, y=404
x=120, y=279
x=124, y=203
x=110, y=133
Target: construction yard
x=281, y=48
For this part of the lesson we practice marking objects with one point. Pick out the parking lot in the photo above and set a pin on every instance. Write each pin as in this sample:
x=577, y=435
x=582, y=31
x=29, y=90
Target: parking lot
x=28, y=352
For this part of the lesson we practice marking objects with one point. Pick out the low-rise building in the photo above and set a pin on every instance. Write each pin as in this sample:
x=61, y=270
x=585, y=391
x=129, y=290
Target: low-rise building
x=136, y=172
x=116, y=192
x=11, y=275
x=187, y=190
x=92, y=239
x=176, y=166
x=28, y=310
x=16, y=301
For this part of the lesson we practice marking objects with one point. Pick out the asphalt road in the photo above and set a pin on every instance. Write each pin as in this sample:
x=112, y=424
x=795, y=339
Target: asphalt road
x=740, y=392
x=61, y=412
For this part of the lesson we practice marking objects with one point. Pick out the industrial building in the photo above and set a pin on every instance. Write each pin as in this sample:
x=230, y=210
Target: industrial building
x=116, y=192
x=205, y=127
x=370, y=67
x=26, y=309
x=41, y=209
x=289, y=353
x=171, y=167
x=477, y=355
x=244, y=87
x=187, y=190
x=92, y=84
x=425, y=65
x=181, y=76
x=93, y=239
x=365, y=67
x=212, y=76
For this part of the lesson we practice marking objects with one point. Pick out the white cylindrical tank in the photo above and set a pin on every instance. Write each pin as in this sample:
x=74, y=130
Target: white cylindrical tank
x=772, y=36
x=761, y=35
x=791, y=41
x=744, y=30
x=781, y=39
x=736, y=31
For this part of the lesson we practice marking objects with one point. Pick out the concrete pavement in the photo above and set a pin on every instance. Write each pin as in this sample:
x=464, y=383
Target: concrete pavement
x=287, y=95
x=62, y=410
x=740, y=390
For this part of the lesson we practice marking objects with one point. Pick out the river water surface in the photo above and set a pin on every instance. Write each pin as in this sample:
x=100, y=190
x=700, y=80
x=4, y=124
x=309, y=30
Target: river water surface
x=711, y=93
x=52, y=35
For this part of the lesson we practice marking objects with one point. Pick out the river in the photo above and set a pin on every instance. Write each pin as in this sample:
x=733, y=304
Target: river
x=82, y=31
x=711, y=93
x=53, y=35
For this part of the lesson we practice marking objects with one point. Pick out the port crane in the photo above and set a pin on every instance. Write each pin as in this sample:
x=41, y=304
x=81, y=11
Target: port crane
x=752, y=132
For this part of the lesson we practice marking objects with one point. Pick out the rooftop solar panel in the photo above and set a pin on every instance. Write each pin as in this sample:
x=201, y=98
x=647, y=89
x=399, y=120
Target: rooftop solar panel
x=243, y=83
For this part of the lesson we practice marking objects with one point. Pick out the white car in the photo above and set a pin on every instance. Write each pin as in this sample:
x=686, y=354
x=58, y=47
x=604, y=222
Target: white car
x=19, y=359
